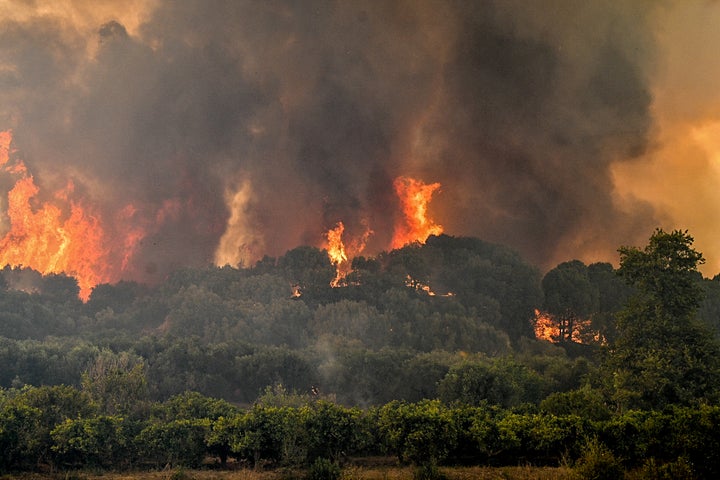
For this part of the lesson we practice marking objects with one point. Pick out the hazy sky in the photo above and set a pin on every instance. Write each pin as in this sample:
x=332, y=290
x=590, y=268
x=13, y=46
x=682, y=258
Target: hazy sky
x=220, y=131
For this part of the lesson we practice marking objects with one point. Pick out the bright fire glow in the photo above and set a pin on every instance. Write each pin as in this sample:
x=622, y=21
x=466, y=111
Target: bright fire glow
x=336, y=252
x=548, y=327
x=62, y=235
x=415, y=226
x=341, y=255
x=545, y=327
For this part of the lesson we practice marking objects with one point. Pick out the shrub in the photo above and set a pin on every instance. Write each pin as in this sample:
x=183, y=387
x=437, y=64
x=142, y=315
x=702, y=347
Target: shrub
x=324, y=469
x=598, y=463
x=679, y=469
x=428, y=471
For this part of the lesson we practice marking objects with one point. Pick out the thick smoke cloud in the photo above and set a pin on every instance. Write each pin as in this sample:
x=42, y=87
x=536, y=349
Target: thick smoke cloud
x=227, y=130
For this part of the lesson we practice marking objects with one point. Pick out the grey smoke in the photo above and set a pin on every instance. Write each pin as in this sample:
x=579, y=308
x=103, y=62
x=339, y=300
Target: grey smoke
x=517, y=108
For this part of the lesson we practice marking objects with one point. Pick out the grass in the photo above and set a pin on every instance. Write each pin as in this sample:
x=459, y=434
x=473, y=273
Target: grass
x=348, y=473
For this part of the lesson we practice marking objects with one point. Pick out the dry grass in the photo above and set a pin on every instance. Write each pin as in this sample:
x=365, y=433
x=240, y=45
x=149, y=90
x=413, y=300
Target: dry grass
x=349, y=473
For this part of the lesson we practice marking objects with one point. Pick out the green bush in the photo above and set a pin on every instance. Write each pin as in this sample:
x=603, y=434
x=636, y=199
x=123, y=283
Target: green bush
x=324, y=469
x=598, y=463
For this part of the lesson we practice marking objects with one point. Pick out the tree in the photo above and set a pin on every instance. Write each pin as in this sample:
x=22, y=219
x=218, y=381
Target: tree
x=613, y=293
x=501, y=381
x=116, y=382
x=663, y=355
x=665, y=273
x=570, y=297
x=178, y=442
x=19, y=424
x=423, y=433
x=99, y=441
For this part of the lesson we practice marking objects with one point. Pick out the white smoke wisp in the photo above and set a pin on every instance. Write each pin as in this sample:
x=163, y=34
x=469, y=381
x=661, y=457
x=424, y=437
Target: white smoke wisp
x=240, y=244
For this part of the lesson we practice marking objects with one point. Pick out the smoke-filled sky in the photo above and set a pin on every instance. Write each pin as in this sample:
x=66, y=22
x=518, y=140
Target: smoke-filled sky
x=220, y=131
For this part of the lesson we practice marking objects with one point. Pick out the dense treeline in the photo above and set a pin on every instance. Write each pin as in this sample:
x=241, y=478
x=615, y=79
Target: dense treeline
x=64, y=427
x=409, y=315
x=439, y=336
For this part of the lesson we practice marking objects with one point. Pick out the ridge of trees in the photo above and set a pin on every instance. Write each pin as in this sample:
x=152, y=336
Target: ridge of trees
x=436, y=329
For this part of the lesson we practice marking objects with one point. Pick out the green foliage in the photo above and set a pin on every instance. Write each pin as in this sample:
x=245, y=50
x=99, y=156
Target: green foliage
x=149, y=374
x=180, y=442
x=420, y=433
x=100, y=441
x=665, y=272
x=679, y=469
x=709, y=311
x=192, y=405
x=271, y=366
x=310, y=269
x=266, y=434
x=585, y=402
x=539, y=438
x=598, y=462
x=60, y=426
x=117, y=383
x=662, y=355
x=18, y=444
x=324, y=469
x=333, y=431
x=570, y=296
x=499, y=382
x=490, y=279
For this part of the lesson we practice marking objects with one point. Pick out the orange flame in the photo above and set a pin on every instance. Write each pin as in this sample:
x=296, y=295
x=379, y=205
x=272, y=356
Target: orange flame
x=5, y=139
x=545, y=327
x=415, y=226
x=341, y=255
x=336, y=252
x=548, y=327
x=59, y=236
x=42, y=240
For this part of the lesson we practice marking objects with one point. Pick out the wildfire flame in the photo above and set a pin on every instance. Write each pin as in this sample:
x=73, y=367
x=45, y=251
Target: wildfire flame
x=336, y=252
x=549, y=328
x=58, y=232
x=415, y=225
x=62, y=235
x=341, y=255
x=545, y=327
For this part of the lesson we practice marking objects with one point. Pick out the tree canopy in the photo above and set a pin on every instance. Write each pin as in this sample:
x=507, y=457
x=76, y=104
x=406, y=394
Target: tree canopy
x=662, y=354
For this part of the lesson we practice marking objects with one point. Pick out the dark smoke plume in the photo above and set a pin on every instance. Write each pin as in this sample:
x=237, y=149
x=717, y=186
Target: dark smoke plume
x=265, y=123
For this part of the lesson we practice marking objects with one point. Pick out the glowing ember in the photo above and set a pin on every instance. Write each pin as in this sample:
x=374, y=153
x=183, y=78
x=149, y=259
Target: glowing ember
x=415, y=226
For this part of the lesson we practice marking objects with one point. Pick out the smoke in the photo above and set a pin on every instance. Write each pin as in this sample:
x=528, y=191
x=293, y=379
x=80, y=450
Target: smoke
x=227, y=130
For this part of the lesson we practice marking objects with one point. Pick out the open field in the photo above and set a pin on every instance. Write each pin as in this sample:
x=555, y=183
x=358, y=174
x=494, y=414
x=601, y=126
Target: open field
x=349, y=473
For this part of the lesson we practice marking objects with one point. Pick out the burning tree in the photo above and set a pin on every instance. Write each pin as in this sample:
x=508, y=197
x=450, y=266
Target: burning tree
x=570, y=301
x=413, y=226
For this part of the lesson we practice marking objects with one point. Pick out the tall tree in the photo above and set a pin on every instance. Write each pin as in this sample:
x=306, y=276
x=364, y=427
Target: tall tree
x=570, y=297
x=662, y=354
